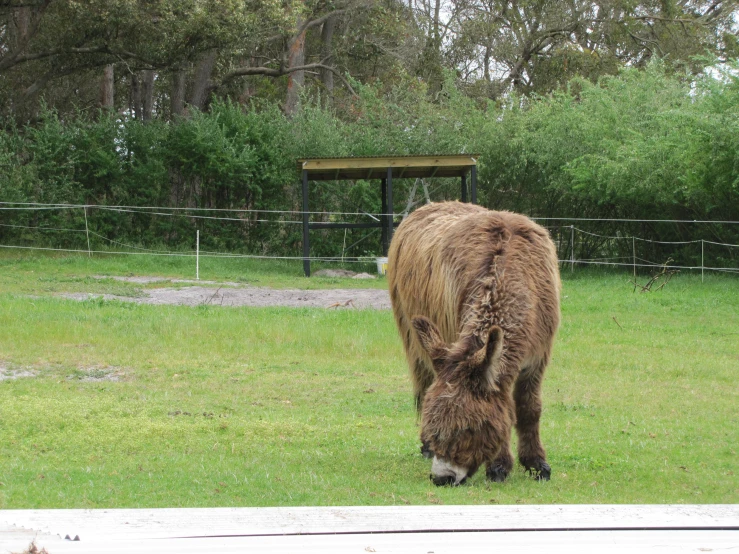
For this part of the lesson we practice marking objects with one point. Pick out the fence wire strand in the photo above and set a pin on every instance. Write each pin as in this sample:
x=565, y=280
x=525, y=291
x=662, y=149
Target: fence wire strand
x=613, y=261
x=42, y=228
x=39, y=205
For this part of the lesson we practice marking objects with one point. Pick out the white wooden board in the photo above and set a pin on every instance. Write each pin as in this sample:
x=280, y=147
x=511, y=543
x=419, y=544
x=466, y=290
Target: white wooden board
x=550, y=542
x=422, y=529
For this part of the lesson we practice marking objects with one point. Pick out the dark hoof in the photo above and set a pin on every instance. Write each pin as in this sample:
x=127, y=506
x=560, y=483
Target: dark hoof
x=545, y=473
x=539, y=469
x=445, y=480
x=426, y=451
x=496, y=473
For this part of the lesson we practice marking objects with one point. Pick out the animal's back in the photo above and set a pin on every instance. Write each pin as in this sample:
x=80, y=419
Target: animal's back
x=442, y=258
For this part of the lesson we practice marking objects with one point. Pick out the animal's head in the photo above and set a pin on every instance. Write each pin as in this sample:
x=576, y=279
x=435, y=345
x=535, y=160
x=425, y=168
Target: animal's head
x=465, y=413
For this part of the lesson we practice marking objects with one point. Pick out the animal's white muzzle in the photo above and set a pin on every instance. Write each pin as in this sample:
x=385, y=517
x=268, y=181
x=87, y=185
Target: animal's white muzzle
x=446, y=473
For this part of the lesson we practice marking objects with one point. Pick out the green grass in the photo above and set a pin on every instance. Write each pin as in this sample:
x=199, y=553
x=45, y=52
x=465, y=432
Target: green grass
x=214, y=406
x=39, y=274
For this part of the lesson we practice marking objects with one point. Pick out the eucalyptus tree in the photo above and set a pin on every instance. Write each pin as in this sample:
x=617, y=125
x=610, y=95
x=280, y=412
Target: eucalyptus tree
x=284, y=50
x=166, y=57
x=45, y=41
x=536, y=45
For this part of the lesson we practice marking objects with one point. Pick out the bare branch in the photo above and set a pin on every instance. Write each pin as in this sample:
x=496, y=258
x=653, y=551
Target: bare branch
x=10, y=59
x=66, y=51
x=272, y=72
x=313, y=23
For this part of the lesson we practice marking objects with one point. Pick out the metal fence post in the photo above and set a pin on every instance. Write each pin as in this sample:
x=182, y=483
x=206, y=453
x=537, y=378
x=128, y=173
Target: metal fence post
x=633, y=253
x=197, y=255
x=572, y=248
x=87, y=231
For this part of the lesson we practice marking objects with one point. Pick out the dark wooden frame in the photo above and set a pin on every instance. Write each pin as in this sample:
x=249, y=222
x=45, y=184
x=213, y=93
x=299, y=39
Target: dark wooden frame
x=384, y=168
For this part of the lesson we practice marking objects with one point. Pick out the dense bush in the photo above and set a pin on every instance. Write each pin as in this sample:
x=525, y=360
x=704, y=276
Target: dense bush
x=641, y=145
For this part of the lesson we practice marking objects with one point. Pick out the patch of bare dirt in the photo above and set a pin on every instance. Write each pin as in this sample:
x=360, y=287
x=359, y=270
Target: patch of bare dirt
x=144, y=280
x=7, y=373
x=97, y=373
x=343, y=273
x=334, y=273
x=236, y=294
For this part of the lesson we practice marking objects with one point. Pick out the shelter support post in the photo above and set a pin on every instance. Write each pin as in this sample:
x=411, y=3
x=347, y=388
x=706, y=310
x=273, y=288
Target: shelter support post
x=389, y=211
x=385, y=239
x=306, y=239
x=382, y=168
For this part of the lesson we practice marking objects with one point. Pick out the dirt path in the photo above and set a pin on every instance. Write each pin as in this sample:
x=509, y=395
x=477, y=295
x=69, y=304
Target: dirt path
x=235, y=294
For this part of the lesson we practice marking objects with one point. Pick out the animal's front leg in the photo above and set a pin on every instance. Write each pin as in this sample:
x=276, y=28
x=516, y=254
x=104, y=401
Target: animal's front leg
x=498, y=469
x=527, y=395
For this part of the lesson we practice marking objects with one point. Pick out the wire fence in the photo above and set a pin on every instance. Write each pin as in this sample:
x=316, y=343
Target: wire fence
x=577, y=246
x=22, y=229
x=618, y=255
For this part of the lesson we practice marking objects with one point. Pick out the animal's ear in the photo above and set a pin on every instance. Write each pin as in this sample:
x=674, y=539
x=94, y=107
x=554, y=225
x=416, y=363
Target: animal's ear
x=487, y=358
x=429, y=337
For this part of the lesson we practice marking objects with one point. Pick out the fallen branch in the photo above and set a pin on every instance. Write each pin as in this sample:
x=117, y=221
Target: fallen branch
x=347, y=304
x=664, y=275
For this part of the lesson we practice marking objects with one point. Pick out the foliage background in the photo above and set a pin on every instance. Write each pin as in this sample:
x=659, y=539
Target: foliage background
x=644, y=144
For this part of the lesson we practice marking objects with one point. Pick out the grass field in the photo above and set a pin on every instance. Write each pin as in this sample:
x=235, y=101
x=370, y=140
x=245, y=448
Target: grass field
x=127, y=405
x=32, y=274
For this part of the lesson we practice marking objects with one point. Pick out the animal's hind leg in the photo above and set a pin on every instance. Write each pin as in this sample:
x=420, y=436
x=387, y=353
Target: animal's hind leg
x=527, y=396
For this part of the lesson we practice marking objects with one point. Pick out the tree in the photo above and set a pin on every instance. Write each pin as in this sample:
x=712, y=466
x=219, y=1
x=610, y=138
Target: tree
x=284, y=54
x=53, y=40
x=537, y=45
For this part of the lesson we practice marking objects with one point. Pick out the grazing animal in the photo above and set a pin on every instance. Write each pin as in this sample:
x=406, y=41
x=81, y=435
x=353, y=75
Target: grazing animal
x=475, y=295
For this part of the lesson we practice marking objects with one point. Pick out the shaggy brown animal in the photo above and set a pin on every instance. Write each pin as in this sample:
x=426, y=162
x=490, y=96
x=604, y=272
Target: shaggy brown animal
x=475, y=295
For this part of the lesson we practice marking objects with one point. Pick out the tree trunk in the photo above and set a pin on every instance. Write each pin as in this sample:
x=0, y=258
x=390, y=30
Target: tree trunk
x=327, y=77
x=203, y=71
x=107, y=100
x=16, y=31
x=437, y=35
x=247, y=92
x=518, y=69
x=486, y=68
x=516, y=74
x=430, y=64
x=147, y=95
x=178, y=93
x=296, y=79
x=248, y=89
x=22, y=20
x=136, y=108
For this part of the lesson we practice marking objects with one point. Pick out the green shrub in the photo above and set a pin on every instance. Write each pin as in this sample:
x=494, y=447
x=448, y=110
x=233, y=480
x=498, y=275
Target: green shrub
x=644, y=144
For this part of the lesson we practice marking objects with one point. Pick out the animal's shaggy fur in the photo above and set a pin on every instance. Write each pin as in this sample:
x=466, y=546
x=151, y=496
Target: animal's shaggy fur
x=475, y=295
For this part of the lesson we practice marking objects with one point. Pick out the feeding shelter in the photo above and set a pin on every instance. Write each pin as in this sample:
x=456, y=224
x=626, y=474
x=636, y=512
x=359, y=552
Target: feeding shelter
x=384, y=169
